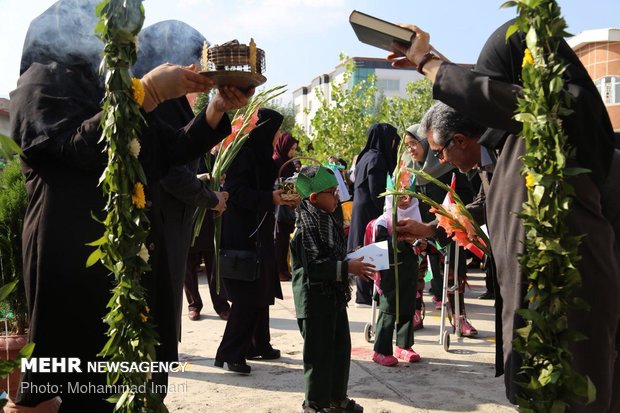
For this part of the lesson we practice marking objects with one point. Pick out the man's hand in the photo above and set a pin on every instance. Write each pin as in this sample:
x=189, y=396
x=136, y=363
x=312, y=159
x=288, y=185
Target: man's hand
x=222, y=198
x=361, y=269
x=410, y=230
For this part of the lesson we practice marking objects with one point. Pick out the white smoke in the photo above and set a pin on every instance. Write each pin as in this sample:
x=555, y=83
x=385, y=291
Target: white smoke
x=64, y=33
x=169, y=41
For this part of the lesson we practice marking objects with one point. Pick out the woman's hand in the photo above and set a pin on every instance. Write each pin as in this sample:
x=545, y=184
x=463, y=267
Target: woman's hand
x=411, y=56
x=226, y=99
x=170, y=81
x=276, y=197
x=360, y=268
x=222, y=198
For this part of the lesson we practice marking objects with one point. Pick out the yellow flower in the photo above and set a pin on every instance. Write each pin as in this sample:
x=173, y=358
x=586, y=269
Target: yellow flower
x=530, y=181
x=148, y=310
x=138, y=198
x=137, y=90
x=528, y=59
x=143, y=317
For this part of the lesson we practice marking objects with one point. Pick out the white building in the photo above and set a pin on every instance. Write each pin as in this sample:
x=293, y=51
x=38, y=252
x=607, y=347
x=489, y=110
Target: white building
x=390, y=81
x=4, y=117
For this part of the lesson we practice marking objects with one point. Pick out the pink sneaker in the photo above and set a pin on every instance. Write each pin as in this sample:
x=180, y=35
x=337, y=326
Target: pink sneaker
x=384, y=360
x=437, y=303
x=407, y=354
x=467, y=330
x=417, y=320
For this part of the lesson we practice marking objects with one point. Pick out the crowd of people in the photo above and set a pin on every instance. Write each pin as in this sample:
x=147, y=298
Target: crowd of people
x=469, y=134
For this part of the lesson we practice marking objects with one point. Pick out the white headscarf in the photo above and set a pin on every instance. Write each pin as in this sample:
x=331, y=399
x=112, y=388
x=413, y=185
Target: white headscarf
x=411, y=212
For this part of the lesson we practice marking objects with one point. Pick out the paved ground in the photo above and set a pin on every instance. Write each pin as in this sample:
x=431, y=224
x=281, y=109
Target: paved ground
x=461, y=380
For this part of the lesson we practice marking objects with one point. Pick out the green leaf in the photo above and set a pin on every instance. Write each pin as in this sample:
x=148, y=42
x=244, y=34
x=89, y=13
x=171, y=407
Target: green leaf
x=94, y=257
x=26, y=351
x=513, y=27
x=7, y=288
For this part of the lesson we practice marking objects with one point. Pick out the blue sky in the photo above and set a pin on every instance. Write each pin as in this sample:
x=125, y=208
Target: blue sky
x=303, y=38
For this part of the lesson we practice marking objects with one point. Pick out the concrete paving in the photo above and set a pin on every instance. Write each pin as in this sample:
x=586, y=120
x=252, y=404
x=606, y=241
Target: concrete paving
x=460, y=380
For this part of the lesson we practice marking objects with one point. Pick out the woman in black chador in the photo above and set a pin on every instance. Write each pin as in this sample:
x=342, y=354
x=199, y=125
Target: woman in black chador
x=376, y=161
x=248, y=225
x=489, y=95
x=55, y=117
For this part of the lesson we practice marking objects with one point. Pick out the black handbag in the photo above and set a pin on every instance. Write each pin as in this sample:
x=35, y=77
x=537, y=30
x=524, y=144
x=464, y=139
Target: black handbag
x=239, y=265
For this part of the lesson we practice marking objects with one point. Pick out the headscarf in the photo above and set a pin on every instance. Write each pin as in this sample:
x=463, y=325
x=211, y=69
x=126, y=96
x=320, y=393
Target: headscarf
x=411, y=212
x=170, y=41
x=260, y=143
x=280, y=154
x=59, y=85
x=588, y=128
x=431, y=164
x=64, y=33
x=382, y=138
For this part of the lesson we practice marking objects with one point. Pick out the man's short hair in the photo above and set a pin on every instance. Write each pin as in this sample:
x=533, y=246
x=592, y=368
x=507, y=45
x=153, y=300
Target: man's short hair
x=445, y=122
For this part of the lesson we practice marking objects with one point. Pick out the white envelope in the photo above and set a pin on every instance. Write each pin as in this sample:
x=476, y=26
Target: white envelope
x=375, y=254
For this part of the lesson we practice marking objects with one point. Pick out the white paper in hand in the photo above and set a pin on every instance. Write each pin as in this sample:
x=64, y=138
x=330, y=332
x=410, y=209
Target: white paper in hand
x=375, y=254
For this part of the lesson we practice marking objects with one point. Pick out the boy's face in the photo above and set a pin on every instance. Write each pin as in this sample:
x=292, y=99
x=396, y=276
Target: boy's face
x=326, y=200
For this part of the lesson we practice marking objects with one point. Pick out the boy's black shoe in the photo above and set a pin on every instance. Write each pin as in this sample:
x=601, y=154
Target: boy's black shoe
x=241, y=368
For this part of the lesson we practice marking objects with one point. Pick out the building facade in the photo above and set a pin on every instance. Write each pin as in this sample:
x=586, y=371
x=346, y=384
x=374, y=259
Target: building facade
x=390, y=81
x=4, y=117
x=599, y=51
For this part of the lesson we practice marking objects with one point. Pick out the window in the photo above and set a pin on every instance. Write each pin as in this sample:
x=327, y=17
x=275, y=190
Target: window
x=389, y=85
x=609, y=88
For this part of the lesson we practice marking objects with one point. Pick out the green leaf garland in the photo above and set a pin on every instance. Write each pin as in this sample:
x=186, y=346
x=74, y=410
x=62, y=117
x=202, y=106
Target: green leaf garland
x=548, y=383
x=131, y=334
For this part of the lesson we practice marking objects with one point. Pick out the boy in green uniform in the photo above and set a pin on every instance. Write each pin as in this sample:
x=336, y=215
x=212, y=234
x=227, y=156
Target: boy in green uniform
x=321, y=289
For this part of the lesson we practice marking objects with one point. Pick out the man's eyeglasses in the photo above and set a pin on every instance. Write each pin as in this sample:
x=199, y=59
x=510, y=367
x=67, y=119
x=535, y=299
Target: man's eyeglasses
x=439, y=154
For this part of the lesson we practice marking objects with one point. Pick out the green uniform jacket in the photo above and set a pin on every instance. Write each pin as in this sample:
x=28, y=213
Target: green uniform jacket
x=316, y=286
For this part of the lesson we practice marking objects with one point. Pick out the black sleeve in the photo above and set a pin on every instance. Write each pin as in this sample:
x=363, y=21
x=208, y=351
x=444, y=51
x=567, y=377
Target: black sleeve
x=490, y=102
x=182, y=183
x=242, y=185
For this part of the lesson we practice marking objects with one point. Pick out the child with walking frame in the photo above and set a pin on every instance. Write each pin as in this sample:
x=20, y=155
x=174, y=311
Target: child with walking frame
x=407, y=207
x=321, y=290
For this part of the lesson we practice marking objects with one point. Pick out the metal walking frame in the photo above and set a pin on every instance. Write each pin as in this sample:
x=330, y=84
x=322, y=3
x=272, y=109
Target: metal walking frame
x=444, y=334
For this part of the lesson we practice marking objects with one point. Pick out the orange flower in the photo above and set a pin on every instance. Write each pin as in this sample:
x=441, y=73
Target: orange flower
x=138, y=198
x=252, y=123
x=404, y=179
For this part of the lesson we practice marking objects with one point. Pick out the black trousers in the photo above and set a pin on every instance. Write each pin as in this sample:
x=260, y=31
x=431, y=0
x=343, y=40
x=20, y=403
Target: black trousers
x=190, y=284
x=363, y=293
x=281, y=245
x=246, y=333
x=385, y=330
x=327, y=357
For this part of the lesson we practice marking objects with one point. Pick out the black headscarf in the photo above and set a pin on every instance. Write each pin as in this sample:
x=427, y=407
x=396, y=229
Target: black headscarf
x=64, y=33
x=260, y=143
x=170, y=41
x=382, y=138
x=59, y=68
x=588, y=128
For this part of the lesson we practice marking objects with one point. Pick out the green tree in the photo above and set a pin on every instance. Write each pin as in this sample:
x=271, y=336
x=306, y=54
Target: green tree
x=404, y=112
x=287, y=110
x=340, y=123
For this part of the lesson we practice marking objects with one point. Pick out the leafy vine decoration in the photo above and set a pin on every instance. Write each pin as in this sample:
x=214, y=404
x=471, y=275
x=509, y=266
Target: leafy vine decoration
x=131, y=335
x=548, y=383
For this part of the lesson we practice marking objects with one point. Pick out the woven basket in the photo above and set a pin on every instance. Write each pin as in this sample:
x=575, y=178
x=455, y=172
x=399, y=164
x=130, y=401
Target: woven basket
x=288, y=184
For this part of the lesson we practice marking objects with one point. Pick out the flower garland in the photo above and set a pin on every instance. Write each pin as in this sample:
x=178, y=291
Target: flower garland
x=132, y=336
x=547, y=380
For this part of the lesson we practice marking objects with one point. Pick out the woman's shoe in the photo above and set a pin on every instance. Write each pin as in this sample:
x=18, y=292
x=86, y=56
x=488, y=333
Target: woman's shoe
x=407, y=354
x=241, y=368
x=388, y=361
x=272, y=354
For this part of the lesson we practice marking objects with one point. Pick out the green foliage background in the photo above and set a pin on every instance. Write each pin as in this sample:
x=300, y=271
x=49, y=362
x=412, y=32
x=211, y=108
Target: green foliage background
x=340, y=123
